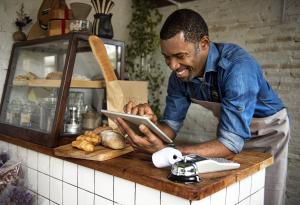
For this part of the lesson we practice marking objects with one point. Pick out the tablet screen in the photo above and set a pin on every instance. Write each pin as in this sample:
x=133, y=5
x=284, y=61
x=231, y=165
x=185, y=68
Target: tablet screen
x=135, y=120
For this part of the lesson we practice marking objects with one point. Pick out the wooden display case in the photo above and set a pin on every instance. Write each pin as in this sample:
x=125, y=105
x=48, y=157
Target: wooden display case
x=42, y=79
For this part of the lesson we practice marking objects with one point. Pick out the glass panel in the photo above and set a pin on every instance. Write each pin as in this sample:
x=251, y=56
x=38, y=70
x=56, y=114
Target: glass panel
x=34, y=81
x=84, y=104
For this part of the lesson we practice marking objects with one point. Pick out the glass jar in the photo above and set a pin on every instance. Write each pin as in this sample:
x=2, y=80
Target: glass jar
x=25, y=115
x=13, y=112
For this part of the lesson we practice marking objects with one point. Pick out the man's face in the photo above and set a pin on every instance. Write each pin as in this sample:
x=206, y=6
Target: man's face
x=185, y=58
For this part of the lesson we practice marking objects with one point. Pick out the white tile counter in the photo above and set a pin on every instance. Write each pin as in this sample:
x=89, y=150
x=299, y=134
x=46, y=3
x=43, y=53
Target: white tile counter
x=58, y=181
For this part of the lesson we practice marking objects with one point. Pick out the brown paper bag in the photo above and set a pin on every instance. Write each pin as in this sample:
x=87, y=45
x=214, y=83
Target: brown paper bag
x=120, y=92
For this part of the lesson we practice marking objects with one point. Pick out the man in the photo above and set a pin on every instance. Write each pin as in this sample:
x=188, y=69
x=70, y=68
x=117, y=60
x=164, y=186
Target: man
x=227, y=80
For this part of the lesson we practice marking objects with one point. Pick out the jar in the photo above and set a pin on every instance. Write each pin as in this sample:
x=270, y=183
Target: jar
x=13, y=112
x=25, y=116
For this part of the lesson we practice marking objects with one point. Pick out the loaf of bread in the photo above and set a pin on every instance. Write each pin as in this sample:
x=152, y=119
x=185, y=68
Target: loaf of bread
x=112, y=139
x=83, y=145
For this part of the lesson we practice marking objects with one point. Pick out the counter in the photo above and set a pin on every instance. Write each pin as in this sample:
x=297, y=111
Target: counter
x=132, y=179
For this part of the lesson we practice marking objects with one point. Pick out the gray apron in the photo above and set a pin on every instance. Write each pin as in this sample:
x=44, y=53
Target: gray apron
x=269, y=134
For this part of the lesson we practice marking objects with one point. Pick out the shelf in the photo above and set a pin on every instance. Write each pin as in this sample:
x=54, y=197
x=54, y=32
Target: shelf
x=56, y=83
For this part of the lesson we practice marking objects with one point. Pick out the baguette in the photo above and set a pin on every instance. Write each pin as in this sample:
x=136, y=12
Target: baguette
x=102, y=58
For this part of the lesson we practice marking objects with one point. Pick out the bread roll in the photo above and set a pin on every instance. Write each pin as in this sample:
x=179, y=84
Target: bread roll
x=112, y=139
x=93, y=138
x=83, y=145
x=57, y=75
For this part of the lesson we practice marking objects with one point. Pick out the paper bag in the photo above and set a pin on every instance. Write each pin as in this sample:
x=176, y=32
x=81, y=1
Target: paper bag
x=120, y=92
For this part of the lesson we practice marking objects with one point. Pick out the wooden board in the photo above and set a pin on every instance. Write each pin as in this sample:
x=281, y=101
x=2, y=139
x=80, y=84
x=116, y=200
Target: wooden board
x=100, y=154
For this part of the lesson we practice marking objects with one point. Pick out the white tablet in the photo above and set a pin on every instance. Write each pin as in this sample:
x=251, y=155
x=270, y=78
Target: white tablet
x=135, y=120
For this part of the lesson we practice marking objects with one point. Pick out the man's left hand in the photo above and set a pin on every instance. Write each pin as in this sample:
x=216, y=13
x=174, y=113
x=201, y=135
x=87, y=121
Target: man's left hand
x=149, y=143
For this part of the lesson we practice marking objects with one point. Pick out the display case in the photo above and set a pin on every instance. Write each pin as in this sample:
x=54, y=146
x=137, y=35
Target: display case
x=54, y=88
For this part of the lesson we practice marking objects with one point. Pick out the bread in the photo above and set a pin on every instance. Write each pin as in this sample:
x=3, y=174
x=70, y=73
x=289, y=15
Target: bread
x=102, y=58
x=112, y=139
x=83, y=145
x=27, y=76
x=91, y=138
x=98, y=130
x=57, y=75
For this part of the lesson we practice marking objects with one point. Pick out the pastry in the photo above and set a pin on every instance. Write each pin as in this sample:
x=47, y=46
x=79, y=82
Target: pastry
x=83, y=145
x=57, y=75
x=93, y=138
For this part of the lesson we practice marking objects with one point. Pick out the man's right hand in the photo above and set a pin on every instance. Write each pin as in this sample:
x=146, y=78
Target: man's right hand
x=140, y=109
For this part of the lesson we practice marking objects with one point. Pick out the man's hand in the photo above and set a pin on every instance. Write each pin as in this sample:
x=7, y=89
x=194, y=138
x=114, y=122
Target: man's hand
x=149, y=143
x=140, y=109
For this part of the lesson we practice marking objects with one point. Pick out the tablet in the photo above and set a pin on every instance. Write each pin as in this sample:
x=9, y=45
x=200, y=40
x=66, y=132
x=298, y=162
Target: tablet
x=135, y=120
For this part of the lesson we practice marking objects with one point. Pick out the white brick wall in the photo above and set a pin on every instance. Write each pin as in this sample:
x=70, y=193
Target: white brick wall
x=256, y=26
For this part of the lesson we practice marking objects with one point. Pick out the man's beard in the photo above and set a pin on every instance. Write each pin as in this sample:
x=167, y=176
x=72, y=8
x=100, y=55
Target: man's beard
x=190, y=76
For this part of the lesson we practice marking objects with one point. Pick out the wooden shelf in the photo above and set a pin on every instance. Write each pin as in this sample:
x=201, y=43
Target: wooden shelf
x=56, y=83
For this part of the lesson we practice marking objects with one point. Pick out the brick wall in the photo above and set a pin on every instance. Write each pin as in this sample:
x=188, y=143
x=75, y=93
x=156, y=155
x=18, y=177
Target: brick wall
x=270, y=34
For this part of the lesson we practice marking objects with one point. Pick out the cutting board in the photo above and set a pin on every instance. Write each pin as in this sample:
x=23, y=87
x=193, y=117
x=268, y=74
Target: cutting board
x=100, y=154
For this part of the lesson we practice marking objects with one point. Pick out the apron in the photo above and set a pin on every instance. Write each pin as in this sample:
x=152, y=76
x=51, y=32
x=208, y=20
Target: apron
x=269, y=134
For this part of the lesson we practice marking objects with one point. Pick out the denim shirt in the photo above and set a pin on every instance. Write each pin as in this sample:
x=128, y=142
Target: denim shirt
x=233, y=78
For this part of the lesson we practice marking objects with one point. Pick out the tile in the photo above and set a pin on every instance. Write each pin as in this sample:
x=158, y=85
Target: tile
x=86, y=178
x=3, y=146
x=43, y=184
x=146, y=196
x=168, y=199
x=43, y=201
x=69, y=194
x=102, y=201
x=43, y=163
x=32, y=159
x=218, y=197
x=257, y=198
x=85, y=198
x=70, y=173
x=258, y=181
x=245, y=188
x=124, y=191
x=232, y=194
x=13, y=151
x=22, y=155
x=245, y=201
x=104, y=185
x=56, y=168
x=56, y=190
x=205, y=201
x=32, y=177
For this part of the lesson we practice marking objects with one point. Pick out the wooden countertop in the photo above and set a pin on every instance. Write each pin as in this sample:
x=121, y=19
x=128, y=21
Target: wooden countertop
x=138, y=167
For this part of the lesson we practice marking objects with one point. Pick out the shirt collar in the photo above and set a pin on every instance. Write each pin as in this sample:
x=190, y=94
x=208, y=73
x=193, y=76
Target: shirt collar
x=214, y=59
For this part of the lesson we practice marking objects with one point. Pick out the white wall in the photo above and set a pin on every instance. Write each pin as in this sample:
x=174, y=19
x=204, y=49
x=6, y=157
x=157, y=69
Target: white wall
x=258, y=27
x=121, y=17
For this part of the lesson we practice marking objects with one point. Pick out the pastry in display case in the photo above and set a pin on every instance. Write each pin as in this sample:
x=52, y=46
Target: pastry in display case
x=54, y=88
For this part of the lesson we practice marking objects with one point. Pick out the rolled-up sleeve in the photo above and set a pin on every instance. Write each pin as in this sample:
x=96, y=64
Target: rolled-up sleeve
x=240, y=88
x=177, y=104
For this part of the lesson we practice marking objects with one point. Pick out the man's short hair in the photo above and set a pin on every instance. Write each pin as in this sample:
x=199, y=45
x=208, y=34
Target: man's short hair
x=188, y=21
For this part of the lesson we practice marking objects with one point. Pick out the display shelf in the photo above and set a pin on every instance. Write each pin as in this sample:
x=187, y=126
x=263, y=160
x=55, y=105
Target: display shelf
x=57, y=83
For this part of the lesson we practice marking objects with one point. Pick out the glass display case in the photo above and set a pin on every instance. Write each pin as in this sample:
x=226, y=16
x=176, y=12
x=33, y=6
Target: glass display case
x=54, y=88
